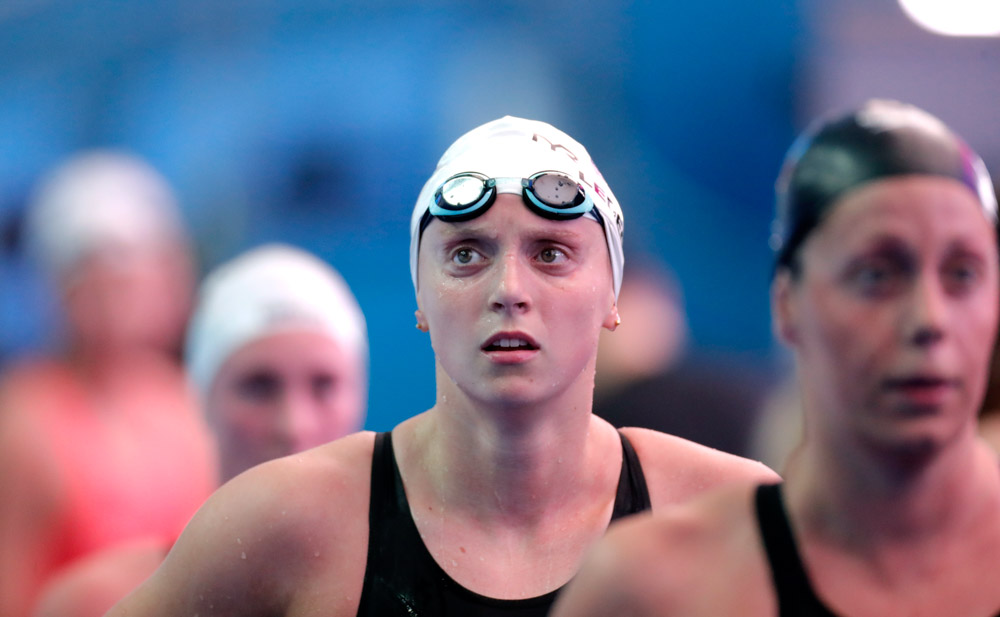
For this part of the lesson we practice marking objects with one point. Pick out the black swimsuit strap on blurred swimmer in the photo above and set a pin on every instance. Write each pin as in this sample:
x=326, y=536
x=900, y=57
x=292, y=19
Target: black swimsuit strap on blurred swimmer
x=402, y=578
x=796, y=597
x=791, y=584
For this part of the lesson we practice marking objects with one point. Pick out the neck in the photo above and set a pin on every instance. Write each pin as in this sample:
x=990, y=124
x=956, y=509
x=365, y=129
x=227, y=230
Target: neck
x=510, y=460
x=854, y=495
x=106, y=370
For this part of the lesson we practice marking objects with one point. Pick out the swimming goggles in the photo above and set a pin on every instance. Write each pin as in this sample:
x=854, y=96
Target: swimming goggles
x=549, y=194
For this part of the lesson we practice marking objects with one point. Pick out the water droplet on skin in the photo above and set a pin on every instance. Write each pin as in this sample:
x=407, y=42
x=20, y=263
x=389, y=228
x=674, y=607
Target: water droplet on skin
x=454, y=563
x=316, y=554
x=243, y=555
x=238, y=541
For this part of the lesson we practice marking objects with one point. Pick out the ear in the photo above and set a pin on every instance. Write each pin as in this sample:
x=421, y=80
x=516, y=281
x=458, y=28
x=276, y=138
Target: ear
x=421, y=321
x=613, y=320
x=784, y=313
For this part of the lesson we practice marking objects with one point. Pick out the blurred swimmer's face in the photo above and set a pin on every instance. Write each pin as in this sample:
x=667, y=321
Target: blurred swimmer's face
x=514, y=302
x=130, y=297
x=894, y=313
x=282, y=394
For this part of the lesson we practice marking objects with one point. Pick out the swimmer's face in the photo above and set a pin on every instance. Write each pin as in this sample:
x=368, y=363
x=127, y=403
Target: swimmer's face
x=130, y=297
x=893, y=314
x=282, y=394
x=514, y=303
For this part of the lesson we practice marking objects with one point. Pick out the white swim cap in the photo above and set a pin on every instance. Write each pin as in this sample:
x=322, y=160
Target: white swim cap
x=99, y=199
x=517, y=148
x=270, y=289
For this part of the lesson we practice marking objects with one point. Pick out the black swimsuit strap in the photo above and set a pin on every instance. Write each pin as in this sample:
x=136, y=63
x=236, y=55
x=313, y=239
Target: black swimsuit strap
x=796, y=597
x=633, y=494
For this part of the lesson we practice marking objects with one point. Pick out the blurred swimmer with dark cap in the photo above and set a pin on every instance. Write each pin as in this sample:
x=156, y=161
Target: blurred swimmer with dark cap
x=886, y=289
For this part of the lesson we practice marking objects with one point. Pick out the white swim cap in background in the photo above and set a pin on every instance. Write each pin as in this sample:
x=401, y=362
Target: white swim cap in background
x=517, y=148
x=270, y=289
x=99, y=199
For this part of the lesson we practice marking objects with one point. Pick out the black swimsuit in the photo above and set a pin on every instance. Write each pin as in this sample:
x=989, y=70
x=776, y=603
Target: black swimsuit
x=402, y=578
x=796, y=597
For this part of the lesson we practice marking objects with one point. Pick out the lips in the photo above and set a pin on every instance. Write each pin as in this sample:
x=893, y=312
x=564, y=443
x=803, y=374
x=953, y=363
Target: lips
x=919, y=382
x=923, y=389
x=509, y=342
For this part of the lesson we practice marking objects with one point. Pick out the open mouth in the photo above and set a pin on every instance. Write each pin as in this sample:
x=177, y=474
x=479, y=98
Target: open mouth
x=920, y=383
x=509, y=343
x=924, y=390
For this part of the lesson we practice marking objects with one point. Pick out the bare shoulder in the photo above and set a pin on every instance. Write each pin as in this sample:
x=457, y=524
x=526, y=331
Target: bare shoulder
x=32, y=494
x=30, y=467
x=698, y=558
x=677, y=469
x=289, y=532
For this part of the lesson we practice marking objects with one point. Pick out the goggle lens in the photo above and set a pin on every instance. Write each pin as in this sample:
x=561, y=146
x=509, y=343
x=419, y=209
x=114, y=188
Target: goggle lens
x=549, y=194
x=460, y=192
x=556, y=190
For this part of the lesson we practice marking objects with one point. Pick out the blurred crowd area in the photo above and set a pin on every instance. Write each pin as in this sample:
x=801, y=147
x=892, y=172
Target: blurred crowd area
x=316, y=123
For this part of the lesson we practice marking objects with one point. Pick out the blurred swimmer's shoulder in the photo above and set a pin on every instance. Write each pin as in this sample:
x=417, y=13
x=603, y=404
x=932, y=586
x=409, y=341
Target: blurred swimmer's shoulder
x=287, y=531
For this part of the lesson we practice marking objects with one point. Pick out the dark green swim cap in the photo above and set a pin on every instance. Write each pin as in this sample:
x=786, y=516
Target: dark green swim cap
x=880, y=139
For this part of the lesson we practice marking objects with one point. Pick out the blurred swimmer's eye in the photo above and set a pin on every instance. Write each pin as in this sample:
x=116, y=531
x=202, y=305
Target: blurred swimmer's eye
x=879, y=275
x=323, y=385
x=259, y=386
x=962, y=274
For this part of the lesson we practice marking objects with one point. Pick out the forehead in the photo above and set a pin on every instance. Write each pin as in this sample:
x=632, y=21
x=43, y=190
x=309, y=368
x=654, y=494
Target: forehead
x=289, y=349
x=930, y=208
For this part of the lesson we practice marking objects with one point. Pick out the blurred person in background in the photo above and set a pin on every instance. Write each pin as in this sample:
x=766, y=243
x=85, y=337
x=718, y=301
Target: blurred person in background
x=989, y=416
x=101, y=442
x=648, y=375
x=485, y=503
x=887, y=288
x=278, y=350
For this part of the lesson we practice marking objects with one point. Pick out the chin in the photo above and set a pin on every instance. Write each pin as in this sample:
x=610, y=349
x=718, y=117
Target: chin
x=913, y=444
x=508, y=395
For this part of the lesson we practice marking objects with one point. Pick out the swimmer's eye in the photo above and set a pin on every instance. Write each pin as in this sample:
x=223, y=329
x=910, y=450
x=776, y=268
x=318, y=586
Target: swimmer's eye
x=881, y=274
x=962, y=274
x=323, y=386
x=466, y=256
x=259, y=386
x=552, y=255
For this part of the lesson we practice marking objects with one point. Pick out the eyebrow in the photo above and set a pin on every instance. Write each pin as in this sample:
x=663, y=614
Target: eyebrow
x=555, y=231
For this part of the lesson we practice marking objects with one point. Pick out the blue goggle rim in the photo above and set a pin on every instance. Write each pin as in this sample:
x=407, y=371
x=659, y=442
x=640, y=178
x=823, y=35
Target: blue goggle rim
x=581, y=205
